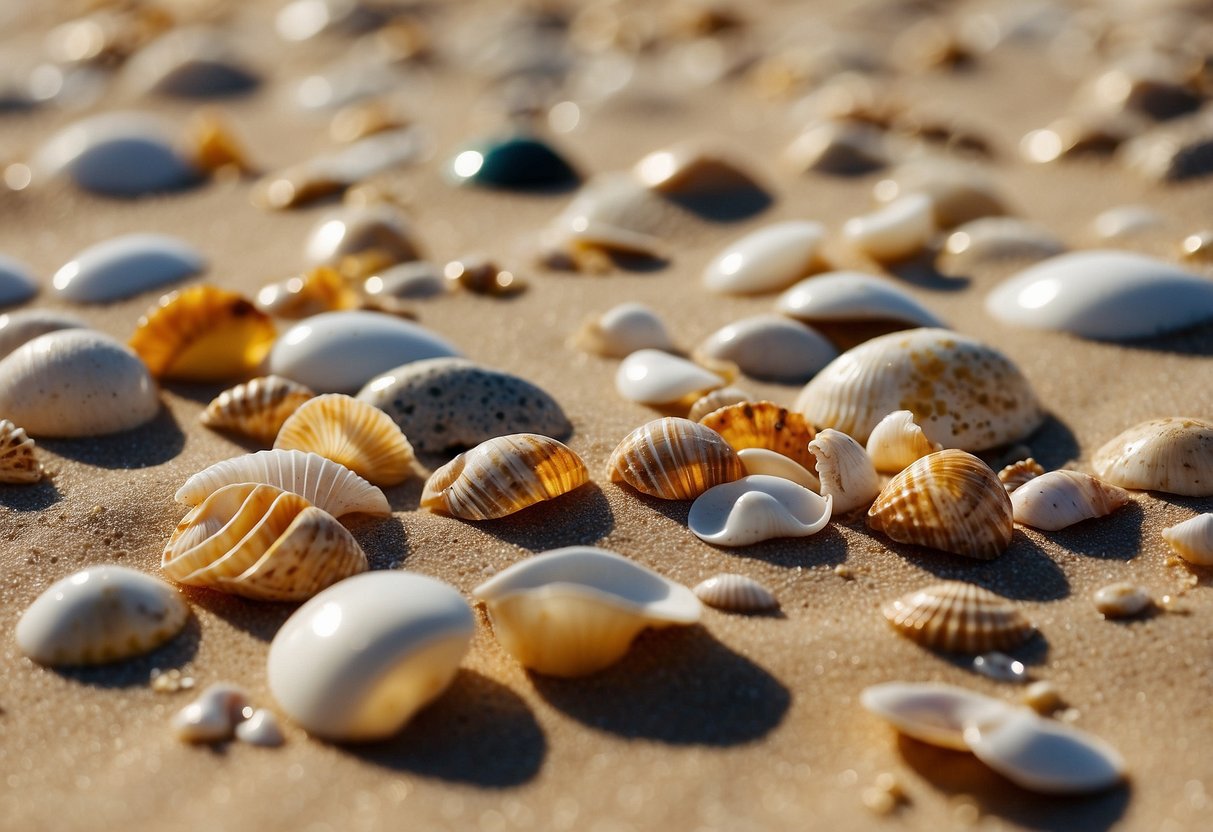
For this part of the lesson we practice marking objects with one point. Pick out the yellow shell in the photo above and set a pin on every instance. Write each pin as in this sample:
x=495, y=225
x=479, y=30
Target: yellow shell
x=764, y=425
x=503, y=475
x=322, y=289
x=256, y=408
x=949, y=500
x=17, y=461
x=674, y=459
x=203, y=333
x=261, y=542
x=360, y=437
x=959, y=618
x=1019, y=473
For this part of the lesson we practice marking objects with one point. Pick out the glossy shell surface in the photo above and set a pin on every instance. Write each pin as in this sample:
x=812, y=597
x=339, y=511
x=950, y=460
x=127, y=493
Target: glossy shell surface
x=959, y=618
x=931, y=712
x=764, y=425
x=623, y=329
x=1192, y=539
x=378, y=229
x=853, y=296
x=256, y=408
x=845, y=470
x=757, y=508
x=654, y=377
x=1059, y=499
x=1173, y=455
x=352, y=433
x=769, y=347
x=897, y=441
x=674, y=459
x=766, y=260
x=125, y=266
x=775, y=464
x=513, y=161
x=895, y=232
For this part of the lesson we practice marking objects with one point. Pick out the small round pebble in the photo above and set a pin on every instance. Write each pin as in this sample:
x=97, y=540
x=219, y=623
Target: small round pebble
x=1121, y=600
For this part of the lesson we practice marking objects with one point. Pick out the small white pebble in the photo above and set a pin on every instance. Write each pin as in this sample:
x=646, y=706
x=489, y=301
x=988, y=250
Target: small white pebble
x=260, y=728
x=212, y=717
x=1121, y=600
x=1042, y=697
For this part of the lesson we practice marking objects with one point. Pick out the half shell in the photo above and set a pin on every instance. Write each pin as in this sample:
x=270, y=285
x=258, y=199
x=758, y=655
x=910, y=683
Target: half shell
x=698, y=169
x=17, y=461
x=959, y=618
x=674, y=459
x=657, y=378
x=1173, y=455
x=735, y=593
x=351, y=433
x=256, y=408
x=897, y=441
x=764, y=425
x=622, y=330
x=932, y=712
x=1020, y=473
x=766, y=260
x=1059, y=499
x=845, y=470
x=716, y=399
x=769, y=347
x=757, y=508
x=1192, y=539
x=125, y=266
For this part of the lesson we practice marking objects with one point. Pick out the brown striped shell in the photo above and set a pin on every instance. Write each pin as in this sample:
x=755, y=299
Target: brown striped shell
x=256, y=408
x=17, y=461
x=353, y=433
x=959, y=618
x=735, y=593
x=764, y=425
x=674, y=459
x=1019, y=473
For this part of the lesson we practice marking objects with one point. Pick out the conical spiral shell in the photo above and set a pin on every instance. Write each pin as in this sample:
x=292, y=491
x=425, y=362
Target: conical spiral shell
x=503, y=475
x=949, y=500
x=1173, y=455
x=735, y=593
x=845, y=471
x=764, y=425
x=256, y=408
x=959, y=618
x=353, y=433
x=674, y=459
x=1059, y=499
x=1192, y=539
x=896, y=441
x=261, y=542
x=17, y=461
x=1020, y=473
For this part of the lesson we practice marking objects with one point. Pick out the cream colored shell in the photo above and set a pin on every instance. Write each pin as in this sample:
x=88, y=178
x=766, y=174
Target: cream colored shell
x=674, y=459
x=775, y=464
x=716, y=399
x=931, y=712
x=623, y=329
x=757, y=508
x=1059, y=499
x=897, y=441
x=1173, y=455
x=213, y=716
x=895, y=232
x=353, y=433
x=256, y=408
x=845, y=470
x=17, y=461
x=1121, y=600
x=654, y=377
x=1192, y=539
x=764, y=425
x=735, y=593
x=959, y=618
x=1018, y=474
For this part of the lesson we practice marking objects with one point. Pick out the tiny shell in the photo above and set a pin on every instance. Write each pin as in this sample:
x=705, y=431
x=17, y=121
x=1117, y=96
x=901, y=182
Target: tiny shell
x=766, y=260
x=674, y=459
x=999, y=239
x=1121, y=600
x=845, y=470
x=354, y=230
x=256, y=408
x=896, y=441
x=98, y=615
x=24, y=325
x=414, y=280
x=769, y=347
x=657, y=378
x=213, y=716
x=958, y=192
x=322, y=289
x=574, y=611
x=622, y=330
x=356, y=662
x=844, y=148
x=617, y=201
x=757, y=508
x=1172, y=455
x=931, y=712
x=352, y=433
x=1083, y=133
x=1171, y=154
x=17, y=461
x=775, y=464
x=1124, y=221
x=514, y=161
x=959, y=618
x=481, y=275
x=125, y=266
x=190, y=62
x=853, y=296
x=1043, y=697
x=261, y=728
x=17, y=285
x=716, y=399
x=1020, y=473
x=1192, y=539
x=697, y=169
x=899, y=230
x=1059, y=499
x=735, y=593
x=764, y=425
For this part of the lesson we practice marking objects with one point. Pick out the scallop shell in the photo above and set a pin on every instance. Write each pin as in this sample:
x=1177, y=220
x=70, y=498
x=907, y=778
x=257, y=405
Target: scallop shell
x=757, y=508
x=125, y=266
x=716, y=399
x=1059, y=499
x=897, y=231
x=574, y=611
x=190, y=62
x=203, y=333
x=261, y=542
x=1192, y=539
x=98, y=615
x=352, y=433
x=17, y=285
x=1020, y=473
x=845, y=470
x=853, y=296
x=769, y=347
x=256, y=408
x=766, y=260
x=503, y=475
x=958, y=192
x=24, y=325
x=949, y=500
x=622, y=330
x=999, y=239
x=897, y=441
x=735, y=593
x=513, y=161
x=354, y=230
x=932, y=712
x=1173, y=455
x=17, y=461
x=322, y=482
x=674, y=459
x=657, y=378
x=775, y=464
x=959, y=618
x=764, y=425
x=963, y=393
x=317, y=290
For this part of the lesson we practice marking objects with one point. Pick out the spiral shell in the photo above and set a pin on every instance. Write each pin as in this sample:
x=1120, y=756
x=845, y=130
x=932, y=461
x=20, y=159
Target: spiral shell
x=1059, y=499
x=764, y=425
x=949, y=500
x=959, y=618
x=352, y=433
x=674, y=459
x=1020, y=473
x=1174, y=455
x=256, y=408
x=897, y=441
x=735, y=593
x=1192, y=539
x=17, y=461
x=716, y=399
x=845, y=471
x=261, y=542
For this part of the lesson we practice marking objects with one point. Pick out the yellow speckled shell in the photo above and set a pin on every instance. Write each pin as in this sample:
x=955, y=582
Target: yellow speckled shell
x=959, y=618
x=256, y=408
x=17, y=461
x=764, y=425
x=674, y=459
x=360, y=437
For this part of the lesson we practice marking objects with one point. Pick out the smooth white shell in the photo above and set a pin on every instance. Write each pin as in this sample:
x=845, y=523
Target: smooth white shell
x=775, y=464
x=757, y=508
x=413, y=280
x=899, y=230
x=931, y=712
x=127, y=265
x=260, y=729
x=213, y=716
x=765, y=260
x=24, y=325
x=1192, y=539
x=353, y=229
x=358, y=660
x=845, y=470
x=770, y=347
x=1058, y=499
x=958, y=192
x=624, y=329
x=993, y=239
x=853, y=296
x=656, y=377
x=17, y=285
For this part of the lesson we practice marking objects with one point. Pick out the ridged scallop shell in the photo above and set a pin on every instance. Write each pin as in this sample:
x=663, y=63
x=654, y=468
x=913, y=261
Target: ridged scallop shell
x=654, y=377
x=256, y=408
x=24, y=325
x=352, y=433
x=896, y=441
x=674, y=459
x=963, y=393
x=1173, y=455
x=950, y=501
x=959, y=618
x=623, y=329
x=17, y=461
x=775, y=464
x=503, y=475
x=1059, y=499
x=1192, y=539
x=1018, y=474
x=261, y=542
x=764, y=425
x=766, y=260
x=735, y=593
x=320, y=481
x=845, y=470
x=716, y=399
x=757, y=508
x=769, y=347
x=897, y=231
x=125, y=266
x=321, y=289
x=203, y=333
x=851, y=297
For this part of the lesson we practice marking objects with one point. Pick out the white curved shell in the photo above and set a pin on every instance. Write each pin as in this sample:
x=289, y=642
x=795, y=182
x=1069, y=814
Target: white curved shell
x=774, y=464
x=1121, y=600
x=353, y=230
x=260, y=729
x=213, y=716
x=617, y=200
x=999, y=239
x=899, y=230
x=766, y=260
x=17, y=285
x=897, y=441
x=735, y=593
x=1059, y=499
x=622, y=330
x=769, y=347
x=125, y=266
x=16, y=328
x=1192, y=539
x=757, y=508
x=931, y=712
x=853, y=296
x=1174, y=455
x=655, y=377
x=845, y=470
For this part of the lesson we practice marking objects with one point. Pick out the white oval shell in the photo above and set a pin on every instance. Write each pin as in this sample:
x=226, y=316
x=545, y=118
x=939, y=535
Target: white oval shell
x=845, y=470
x=899, y=230
x=656, y=377
x=757, y=508
x=1174, y=455
x=211, y=717
x=735, y=593
x=1192, y=539
x=1120, y=600
x=774, y=464
x=125, y=266
x=994, y=239
x=260, y=729
x=354, y=229
x=622, y=330
x=1126, y=221
x=17, y=328
x=853, y=296
x=1058, y=499
x=896, y=441
x=770, y=347
x=17, y=285
x=931, y=712
x=765, y=260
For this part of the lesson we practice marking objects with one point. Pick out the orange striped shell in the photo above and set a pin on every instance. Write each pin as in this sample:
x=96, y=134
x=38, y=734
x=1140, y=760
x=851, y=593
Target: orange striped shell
x=764, y=425
x=674, y=459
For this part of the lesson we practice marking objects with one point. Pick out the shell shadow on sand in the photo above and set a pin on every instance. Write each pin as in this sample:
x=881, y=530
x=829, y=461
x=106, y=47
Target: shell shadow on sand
x=151, y=444
x=134, y=672
x=32, y=497
x=581, y=517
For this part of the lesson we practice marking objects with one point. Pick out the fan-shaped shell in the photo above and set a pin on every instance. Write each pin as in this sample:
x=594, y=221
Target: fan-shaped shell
x=1059, y=499
x=17, y=461
x=775, y=464
x=1173, y=455
x=657, y=378
x=256, y=408
x=845, y=470
x=125, y=266
x=503, y=475
x=757, y=508
x=897, y=441
x=716, y=399
x=261, y=542
x=1018, y=474
x=353, y=433
x=674, y=459
x=769, y=347
x=959, y=618
x=623, y=329
x=764, y=425
x=897, y=231
x=932, y=712
x=735, y=593
x=766, y=260
x=853, y=296
x=24, y=325
x=1192, y=539
x=949, y=500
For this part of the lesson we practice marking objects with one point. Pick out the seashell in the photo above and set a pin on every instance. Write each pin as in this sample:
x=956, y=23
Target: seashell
x=735, y=593
x=1020, y=473
x=17, y=285
x=959, y=618
x=622, y=330
x=757, y=508
x=932, y=712
x=322, y=482
x=963, y=393
x=617, y=202
x=339, y=352
x=998, y=239
x=415, y=280
x=504, y=475
x=260, y=729
x=1043, y=697
x=512, y=161
x=1000, y=667
x=1172, y=455
x=17, y=461
x=958, y=192
x=674, y=459
x=949, y=500
x=1106, y=295
x=575, y=611
x=352, y=433
x=775, y=464
x=98, y=615
x=769, y=347
x=365, y=118
x=716, y=399
x=256, y=408
x=1192, y=539
x=356, y=662
x=1083, y=133
x=764, y=425
x=261, y=542
x=657, y=378
x=1121, y=600
x=482, y=276
x=317, y=290
x=356, y=230
x=842, y=148
x=1059, y=499
x=766, y=260
x=849, y=297
x=897, y=441
x=76, y=382
x=24, y=325
x=1142, y=84
x=125, y=266
x=577, y=242
x=213, y=716
x=897, y=231
x=1171, y=153
x=443, y=403
x=190, y=62
x=697, y=169
x=1124, y=221
x=845, y=470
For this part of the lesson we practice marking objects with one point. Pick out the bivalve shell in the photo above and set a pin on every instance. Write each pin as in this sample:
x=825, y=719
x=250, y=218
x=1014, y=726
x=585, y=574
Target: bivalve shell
x=17, y=285
x=1192, y=539
x=1121, y=600
x=766, y=260
x=958, y=193
x=24, y=325
x=999, y=239
x=735, y=593
x=845, y=470
x=699, y=169
x=1173, y=455
x=775, y=464
x=358, y=230
x=256, y=408
x=622, y=330
x=513, y=161
x=897, y=441
x=352, y=433
x=213, y=716
x=764, y=425
x=769, y=347
x=959, y=618
x=125, y=266
x=716, y=399
x=931, y=712
x=897, y=231
x=17, y=461
x=757, y=508
x=851, y=297
x=654, y=377
x=674, y=459
x=1018, y=474
x=1059, y=499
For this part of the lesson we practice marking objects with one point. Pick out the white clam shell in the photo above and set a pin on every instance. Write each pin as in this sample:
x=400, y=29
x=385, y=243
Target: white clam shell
x=896, y=441
x=757, y=508
x=125, y=266
x=351, y=230
x=17, y=328
x=1121, y=600
x=853, y=296
x=17, y=285
x=931, y=712
x=656, y=377
x=575, y=611
x=100, y=614
x=622, y=330
x=1192, y=539
x=1173, y=455
x=846, y=471
x=770, y=347
x=735, y=593
x=1104, y=294
x=996, y=239
x=774, y=464
x=899, y=230
x=213, y=716
x=1058, y=499
x=766, y=260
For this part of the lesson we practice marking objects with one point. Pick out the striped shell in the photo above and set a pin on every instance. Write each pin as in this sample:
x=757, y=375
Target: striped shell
x=17, y=461
x=1018, y=474
x=1173, y=455
x=1192, y=539
x=959, y=618
x=845, y=470
x=897, y=441
x=951, y=501
x=735, y=593
x=764, y=425
x=503, y=475
x=1059, y=499
x=716, y=399
x=674, y=459
x=350, y=432
x=261, y=542
x=256, y=408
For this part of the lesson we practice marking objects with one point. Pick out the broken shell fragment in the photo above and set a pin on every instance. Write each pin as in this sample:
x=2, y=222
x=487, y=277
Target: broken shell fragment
x=351, y=433
x=735, y=593
x=897, y=441
x=1018, y=474
x=769, y=347
x=348, y=231
x=764, y=425
x=17, y=461
x=959, y=617
x=515, y=161
x=1192, y=539
x=654, y=377
x=766, y=260
x=674, y=459
x=1172, y=455
x=125, y=266
x=848, y=297
x=1121, y=600
x=931, y=712
x=256, y=408
x=1060, y=499
x=757, y=508
x=213, y=716
x=774, y=464
x=716, y=399
x=622, y=330
x=17, y=285
x=24, y=325
x=845, y=470
x=896, y=232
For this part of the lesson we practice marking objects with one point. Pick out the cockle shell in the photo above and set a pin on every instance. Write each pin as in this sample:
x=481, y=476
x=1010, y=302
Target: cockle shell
x=949, y=500
x=322, y=482
x=656, y=378
x=757, y=508
x=503, y=475
x=845, y=470
x=931, y=712
x=17, y=461
x=963, y=393
x=775, y=464
x=764, y=425
x=24, y=325
x=190, y=62
x=853, y=296
x=769, y=347
x=674, y=459
x=897, y=441
x=1059, y=499
x=1192, y=539
x=261, y=542
x=353, y=230
x=352, y=433
x=1173, y=455
x=766, y=260
x=125, y=266
x=959, y=618
x=574, y=611
x=98, y=615
x=999, y=239
x=735, y=593
x=897, y=231
x=622, y=330
x=356, y=662
x=716, y=399
x=17, y=285
x=512, y=161
x=1018, y=474
x=256, y=408
x=322, y=289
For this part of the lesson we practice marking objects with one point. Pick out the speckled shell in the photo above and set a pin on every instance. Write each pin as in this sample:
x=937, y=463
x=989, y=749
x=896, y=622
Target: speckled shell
x=769, y=347
x=1059, y=499
x=674, y=459
x=1192, y=539
x=261, y=542
x=352, y=433
x=735, y=593
x=24, y=325
x=654, y=377
x=1173, y=455
x=959, y=618
x=897, y=441
x=845, y=470
x=352, y=230
x=897, y=231
x=963, y=393
x=503, y=475
x=321, y=289
x=256, y=408
x=1019, y=473
x=951, y=501
x=716, y=399
x=17, y=461
x=124, y=266
x=623, y=329
x=764, y=425
x=757, y=508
